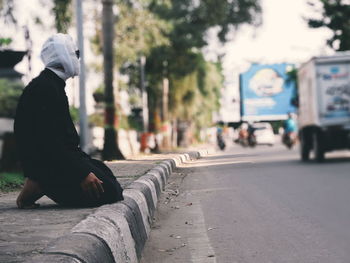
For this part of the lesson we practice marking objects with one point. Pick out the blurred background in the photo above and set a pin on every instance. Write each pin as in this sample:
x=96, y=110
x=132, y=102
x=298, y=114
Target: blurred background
x=163, y=74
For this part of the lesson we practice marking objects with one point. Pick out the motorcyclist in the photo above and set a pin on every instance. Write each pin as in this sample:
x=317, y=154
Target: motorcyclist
x=251, y=135
x=243, y=134
x=290, y=130
x=219, y=138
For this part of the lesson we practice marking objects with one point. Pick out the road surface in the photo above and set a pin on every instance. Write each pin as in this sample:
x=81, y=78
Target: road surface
x=255, y=205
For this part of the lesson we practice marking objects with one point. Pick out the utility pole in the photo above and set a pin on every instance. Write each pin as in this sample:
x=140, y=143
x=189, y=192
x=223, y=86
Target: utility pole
x=165, y=92
x=143, y=94
x=83, y=124
x=110, y=147
x=165, y=108
x=145, y=120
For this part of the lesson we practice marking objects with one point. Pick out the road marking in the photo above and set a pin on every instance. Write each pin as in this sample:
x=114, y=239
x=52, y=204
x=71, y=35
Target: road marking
x=213, y=163
x=198, y=240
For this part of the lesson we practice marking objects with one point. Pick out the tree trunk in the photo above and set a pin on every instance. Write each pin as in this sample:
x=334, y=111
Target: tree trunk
x=110, y=149
x=166, y=125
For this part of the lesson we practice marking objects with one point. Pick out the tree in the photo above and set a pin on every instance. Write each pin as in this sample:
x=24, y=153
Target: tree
x=292, y=77
x=192, y=19
x=137, y=31
x=63, y=15
x=61, y=10
x=334, y=14
x=10, y=91
x=187, y=70
x=110, y=148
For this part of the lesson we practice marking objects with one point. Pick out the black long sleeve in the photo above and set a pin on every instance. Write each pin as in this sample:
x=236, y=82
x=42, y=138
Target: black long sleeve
x=47, y=141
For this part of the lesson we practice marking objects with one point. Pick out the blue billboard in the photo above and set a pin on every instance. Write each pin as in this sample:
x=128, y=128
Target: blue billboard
x=266, y=92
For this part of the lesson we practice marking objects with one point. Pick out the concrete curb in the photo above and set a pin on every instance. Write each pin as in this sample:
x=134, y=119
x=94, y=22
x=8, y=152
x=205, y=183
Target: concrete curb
x=117, y=232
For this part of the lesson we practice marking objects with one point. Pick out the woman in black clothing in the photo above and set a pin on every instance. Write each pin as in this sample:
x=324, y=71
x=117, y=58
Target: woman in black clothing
x=48, y=143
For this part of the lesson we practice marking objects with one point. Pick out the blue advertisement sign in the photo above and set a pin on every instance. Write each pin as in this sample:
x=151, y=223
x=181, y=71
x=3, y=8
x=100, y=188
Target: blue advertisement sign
x=266, y=92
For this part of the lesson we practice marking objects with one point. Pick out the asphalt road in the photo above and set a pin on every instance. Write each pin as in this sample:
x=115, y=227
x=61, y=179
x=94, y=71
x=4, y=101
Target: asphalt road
x=255, y=205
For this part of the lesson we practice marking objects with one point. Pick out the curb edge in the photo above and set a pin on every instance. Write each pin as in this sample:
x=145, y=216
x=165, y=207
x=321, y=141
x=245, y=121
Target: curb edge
x=117, y=232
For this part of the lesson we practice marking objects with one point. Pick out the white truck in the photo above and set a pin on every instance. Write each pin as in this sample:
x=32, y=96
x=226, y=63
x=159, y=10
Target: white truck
x=324, y=105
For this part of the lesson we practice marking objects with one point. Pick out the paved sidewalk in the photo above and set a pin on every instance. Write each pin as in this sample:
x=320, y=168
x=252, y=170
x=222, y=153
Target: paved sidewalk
x=25, y=233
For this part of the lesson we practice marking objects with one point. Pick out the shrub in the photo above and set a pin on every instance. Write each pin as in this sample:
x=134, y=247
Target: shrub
x=10, y=91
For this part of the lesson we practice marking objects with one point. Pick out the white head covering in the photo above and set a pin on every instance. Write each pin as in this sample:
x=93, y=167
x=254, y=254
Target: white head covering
x=58, y=54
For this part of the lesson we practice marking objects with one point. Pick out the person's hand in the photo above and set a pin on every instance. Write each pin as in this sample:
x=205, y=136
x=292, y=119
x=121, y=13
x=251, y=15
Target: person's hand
x=92, y=186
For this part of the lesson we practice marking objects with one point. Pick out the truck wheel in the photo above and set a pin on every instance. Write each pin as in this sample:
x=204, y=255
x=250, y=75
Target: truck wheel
x=304, y=148
x=318, y=147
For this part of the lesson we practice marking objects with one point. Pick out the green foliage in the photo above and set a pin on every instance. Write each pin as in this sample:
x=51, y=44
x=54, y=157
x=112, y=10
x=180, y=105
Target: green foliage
x=134, y=124
x=10, y=181
x=135, y=99
x=335, y=16
x=208, y=101
x=123, y=122
x=196, y=96
x=62, y=11
x=97, y=119
x=5, y=41
x=292, y=76
x=171, y=33
x=192, y=19
x=194, y=83
x=137, y=31
x=74, y=113
x=10, y=91
x=63, y=15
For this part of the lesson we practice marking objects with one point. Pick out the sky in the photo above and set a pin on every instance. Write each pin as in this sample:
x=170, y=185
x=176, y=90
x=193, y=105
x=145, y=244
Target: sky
x=283, y=37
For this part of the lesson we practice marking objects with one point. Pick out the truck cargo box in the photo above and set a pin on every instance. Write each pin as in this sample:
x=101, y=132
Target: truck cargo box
x=324, y=105
x=324, y=88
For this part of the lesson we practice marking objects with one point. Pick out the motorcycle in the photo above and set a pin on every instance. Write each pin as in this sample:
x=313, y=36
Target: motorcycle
x=221, y=142
x=289, y=139
x=245, y=139
x=252, y=140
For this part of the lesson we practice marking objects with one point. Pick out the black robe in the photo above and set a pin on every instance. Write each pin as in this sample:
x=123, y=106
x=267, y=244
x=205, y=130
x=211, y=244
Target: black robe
x=47, y=141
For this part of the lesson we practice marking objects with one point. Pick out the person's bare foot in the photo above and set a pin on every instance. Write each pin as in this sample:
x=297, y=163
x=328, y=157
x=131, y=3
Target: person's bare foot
x=30, y=193
x=27, y=206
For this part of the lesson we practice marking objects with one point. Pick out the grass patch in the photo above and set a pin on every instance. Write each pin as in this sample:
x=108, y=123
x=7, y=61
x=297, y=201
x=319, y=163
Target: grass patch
x=10, y=181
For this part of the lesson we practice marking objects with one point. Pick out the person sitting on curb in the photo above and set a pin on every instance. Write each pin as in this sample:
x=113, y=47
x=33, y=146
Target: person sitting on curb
x=48, y=143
